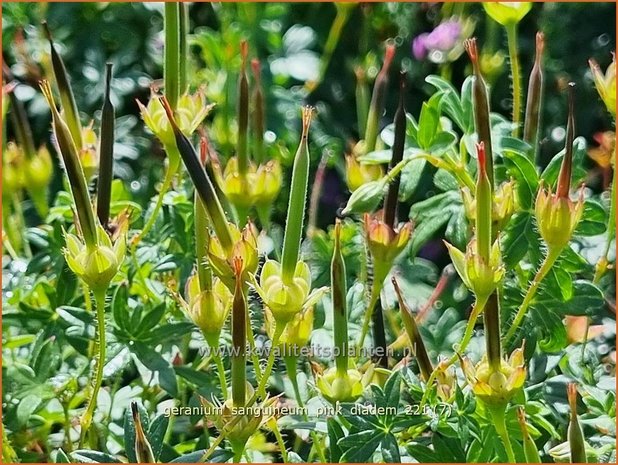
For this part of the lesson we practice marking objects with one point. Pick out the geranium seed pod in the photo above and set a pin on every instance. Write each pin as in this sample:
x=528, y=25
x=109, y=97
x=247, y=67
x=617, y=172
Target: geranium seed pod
x=243, y=112
x=378, y=98
x=340, y=308
x=106, y=152
x=67, y=98
x=575, y=433
x=535, y=95
x=564, y=179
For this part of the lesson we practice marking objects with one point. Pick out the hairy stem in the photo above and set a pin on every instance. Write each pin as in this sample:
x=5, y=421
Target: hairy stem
x=550, y=259
x=511, y=34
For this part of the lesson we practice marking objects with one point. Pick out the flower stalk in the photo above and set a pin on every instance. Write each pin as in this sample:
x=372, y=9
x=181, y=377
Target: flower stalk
x=171, y=66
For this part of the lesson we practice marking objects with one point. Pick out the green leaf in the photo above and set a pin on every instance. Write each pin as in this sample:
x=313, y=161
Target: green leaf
x=335, y=433
x=410, y=178
x=515, y=243
x=156, y=434
x=58, y=456
x=427, y=126
x=120, y=310
x=551, y=328
x=431, y=215
x=218, y=456
x=151, y=319
x=521, y=168
x=457, y=229
x=390, y=449
x=594, y=219
x=449, y=100
x=27, y=406
x=360, y=446
x=155, y=362
x=93, y=456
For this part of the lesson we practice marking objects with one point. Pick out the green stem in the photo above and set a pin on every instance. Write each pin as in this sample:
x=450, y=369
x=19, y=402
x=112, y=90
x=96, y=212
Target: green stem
x=279, y=328
x=282, y=448
x=611, y=232
x=376, y=288
x=170, y=172
x=511, y=34
x=221, y=371
x=86, y=419
x=550, y=259
x=67, y=428
x=497, y=416
x=171, y=68
x=459, y=349
x=290, y=366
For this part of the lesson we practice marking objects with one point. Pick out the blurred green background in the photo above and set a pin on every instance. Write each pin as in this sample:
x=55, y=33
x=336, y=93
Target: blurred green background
x=289, y=40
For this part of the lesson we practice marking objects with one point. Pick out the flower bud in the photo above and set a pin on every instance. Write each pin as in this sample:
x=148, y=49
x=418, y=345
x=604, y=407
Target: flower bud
x=38, y=171
x=496, y=387
x=507, y=13
x=479, y=275
x=98, y=264
x=530, y=450
x=605, y=83
x=189, y=114
x=384, y=242
x=358, y=174
x=504, y=205
x=557, y=215
x=577, y=444
x=267, y=183
x=244, y=245
x=13, y=162
x=366, y=198
x=209, y=308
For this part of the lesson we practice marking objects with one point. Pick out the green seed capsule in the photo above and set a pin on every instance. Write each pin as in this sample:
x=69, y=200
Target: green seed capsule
x=74, y=170
x=480, y=101
x=243, y=112
x=340, y=307
x=239, y=338
x=414, y=335
x=203, y=184
x=106, y=152
x=575, y=434
x=530, y=450
x=296, y=204
x=535, y=96
x=378, y=98
x=67, y=98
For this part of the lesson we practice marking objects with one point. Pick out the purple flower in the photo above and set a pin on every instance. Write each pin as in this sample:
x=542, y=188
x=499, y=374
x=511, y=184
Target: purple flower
x=419, y=48
x=443, y=38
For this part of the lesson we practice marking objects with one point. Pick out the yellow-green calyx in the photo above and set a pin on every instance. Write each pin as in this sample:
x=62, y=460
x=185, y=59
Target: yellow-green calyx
x=244, y=245
x=336, y=386
x=258, y=186
x=384, y=242
x=507, y=13
x=98, y=264
x=496, y=387
x=479, y=275
x=357, y=173
x=285, y=298
x=189, y=113
x=224, y=414
x=209, y=308
x=557, y=215
x=296, y=333
x=503, y=206
x=606, y=83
